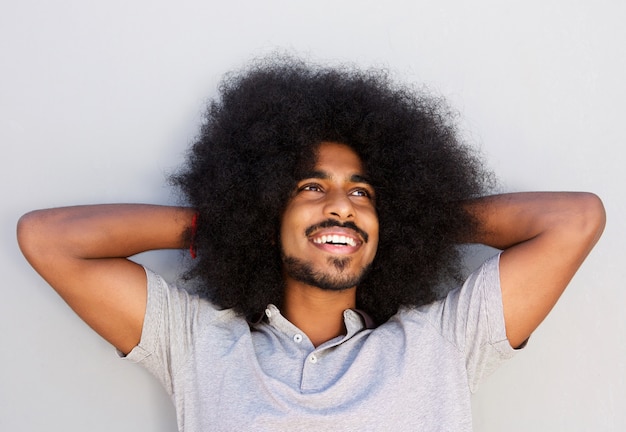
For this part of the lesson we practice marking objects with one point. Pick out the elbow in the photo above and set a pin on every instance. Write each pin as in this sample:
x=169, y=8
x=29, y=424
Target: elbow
x=597, y=212
x=592, y=216
x=32, y=235
x=26, y=233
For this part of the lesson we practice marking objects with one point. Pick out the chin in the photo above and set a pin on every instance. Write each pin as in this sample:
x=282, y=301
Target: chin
x=336, y=277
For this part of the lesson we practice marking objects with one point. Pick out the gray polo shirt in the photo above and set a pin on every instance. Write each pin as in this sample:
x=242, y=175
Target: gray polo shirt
x=415, y=372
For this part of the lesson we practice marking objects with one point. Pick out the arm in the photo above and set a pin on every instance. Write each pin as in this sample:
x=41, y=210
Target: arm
x=82, y=253
x=544, y=237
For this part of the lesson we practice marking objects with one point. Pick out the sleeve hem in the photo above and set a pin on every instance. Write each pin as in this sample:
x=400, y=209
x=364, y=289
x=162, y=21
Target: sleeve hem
x=151, y=323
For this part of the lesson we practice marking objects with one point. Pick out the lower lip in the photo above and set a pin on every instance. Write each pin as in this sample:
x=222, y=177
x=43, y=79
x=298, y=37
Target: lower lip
x=336, y=249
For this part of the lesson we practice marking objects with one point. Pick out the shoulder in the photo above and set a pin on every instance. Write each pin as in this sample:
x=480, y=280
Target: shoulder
x=177, y=320
x=482, y=285
x=471, y=313
x=169, y=301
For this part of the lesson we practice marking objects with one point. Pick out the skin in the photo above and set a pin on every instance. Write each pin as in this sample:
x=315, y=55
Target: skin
x=336, y=190
x=545, y=237
x=82, y=252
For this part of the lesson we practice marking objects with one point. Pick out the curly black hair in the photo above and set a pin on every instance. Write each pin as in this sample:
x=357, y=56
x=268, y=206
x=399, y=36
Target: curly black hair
x=264, y=129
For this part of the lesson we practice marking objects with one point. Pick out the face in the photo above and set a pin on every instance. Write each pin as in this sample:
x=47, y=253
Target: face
x=329, y=230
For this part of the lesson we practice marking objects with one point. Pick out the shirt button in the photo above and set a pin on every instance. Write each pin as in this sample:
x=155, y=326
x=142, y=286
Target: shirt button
x=297, y=338
x=313, y=358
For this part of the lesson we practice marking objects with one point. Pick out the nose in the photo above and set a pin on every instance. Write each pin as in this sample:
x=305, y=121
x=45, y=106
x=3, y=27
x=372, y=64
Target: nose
x=339, y=205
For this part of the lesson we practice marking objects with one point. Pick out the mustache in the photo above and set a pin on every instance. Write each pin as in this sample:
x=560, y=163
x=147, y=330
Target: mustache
x=329, y=223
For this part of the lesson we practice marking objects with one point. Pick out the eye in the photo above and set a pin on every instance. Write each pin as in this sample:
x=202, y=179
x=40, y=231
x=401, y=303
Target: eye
x=361, y=192
x=310, y=187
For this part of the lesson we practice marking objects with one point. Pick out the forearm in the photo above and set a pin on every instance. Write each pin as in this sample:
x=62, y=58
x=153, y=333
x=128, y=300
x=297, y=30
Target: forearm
x=103, y=231
x=509, y=219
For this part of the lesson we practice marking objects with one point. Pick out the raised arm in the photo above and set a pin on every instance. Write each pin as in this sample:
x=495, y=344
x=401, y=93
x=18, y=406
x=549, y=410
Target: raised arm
x=544, y=237
x=82, y=253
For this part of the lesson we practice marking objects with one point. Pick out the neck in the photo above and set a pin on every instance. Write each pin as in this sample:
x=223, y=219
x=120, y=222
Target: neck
x=318, y=313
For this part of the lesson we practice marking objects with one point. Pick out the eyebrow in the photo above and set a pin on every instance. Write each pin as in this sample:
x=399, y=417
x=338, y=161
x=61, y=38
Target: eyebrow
x=323, y=175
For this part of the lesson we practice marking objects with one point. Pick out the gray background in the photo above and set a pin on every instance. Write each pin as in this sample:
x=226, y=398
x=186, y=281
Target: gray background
x=98, y=101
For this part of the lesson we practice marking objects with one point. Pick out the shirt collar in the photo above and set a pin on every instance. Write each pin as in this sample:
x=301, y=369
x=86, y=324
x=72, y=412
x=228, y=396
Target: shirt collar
x=355, y=320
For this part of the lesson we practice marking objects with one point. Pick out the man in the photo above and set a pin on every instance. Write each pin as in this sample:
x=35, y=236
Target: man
x=325, y=209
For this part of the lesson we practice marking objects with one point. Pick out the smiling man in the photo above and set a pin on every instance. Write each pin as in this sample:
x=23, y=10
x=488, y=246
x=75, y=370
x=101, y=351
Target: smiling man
x=325, y=211
x=329, y=237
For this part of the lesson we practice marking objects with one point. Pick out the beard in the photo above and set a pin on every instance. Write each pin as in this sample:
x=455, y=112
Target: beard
x=333, y=278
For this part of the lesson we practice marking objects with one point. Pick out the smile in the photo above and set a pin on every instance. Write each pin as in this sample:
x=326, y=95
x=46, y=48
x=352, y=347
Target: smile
x=335, y=239
x=347, y=233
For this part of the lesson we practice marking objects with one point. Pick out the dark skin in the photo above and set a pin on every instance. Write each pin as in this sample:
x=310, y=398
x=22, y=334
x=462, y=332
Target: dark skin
x=82, y=252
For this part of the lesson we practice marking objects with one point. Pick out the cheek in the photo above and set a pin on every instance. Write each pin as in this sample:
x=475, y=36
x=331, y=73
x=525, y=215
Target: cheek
x=290, y=225
x=374, y=236
x=285, y=236
x=372, y=228
x=374, y=245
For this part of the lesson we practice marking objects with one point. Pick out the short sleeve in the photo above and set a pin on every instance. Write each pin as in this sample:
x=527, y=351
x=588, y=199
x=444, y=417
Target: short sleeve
x=472, y=318
x=167, y=330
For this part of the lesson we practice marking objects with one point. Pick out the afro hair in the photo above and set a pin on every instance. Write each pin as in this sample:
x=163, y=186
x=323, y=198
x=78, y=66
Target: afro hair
x=262, y=132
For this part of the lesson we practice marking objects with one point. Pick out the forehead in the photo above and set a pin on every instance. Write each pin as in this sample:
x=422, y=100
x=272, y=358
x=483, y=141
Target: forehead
x=336, y=156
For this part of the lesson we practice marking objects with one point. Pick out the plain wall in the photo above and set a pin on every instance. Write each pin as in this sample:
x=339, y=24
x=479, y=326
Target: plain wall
x=99, y=100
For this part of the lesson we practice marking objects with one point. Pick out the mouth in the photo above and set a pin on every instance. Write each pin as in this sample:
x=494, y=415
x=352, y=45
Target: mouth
x=335, y=237
x=334, y=232
x=337, y=240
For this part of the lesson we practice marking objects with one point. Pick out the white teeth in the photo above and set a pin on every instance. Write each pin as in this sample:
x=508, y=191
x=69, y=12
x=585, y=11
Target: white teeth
x=335, y=239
